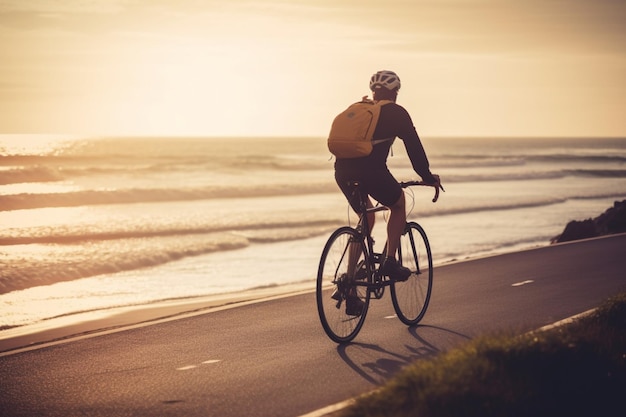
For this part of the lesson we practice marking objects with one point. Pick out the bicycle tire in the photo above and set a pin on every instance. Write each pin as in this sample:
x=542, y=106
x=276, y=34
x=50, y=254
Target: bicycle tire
x=333, y=268
x=410, y=298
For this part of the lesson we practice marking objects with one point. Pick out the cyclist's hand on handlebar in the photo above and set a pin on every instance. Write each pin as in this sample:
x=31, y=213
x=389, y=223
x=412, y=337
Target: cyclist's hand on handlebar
x=436, y=183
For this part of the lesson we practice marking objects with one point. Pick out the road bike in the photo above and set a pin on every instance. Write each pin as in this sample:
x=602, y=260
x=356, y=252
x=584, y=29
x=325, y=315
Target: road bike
x=349, y=267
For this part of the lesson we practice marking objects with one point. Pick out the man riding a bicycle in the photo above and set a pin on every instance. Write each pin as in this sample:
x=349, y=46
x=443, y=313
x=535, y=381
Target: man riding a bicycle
x=375, y=179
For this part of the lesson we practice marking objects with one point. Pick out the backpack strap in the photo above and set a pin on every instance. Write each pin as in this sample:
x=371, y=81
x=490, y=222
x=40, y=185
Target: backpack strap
x=381, y=103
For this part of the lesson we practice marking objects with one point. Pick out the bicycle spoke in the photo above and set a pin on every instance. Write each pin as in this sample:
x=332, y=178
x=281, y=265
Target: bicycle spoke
x=410, y=298
x=336, y=292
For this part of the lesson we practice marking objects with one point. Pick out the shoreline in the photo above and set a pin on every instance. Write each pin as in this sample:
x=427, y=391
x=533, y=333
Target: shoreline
x=60, y=329
x=80, y=325
x=109, y=319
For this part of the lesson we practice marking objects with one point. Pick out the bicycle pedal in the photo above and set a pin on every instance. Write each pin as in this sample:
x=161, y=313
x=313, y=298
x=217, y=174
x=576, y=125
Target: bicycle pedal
x=336, y=295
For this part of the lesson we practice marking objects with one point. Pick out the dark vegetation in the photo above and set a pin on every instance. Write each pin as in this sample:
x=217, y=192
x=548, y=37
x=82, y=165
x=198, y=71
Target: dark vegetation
x=577, y=369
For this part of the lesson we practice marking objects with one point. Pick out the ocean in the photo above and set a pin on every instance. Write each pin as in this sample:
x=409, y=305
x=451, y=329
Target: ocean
x=91, y=224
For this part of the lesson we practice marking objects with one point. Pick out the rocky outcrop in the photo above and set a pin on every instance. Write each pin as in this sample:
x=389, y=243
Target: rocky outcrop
x=611, y=221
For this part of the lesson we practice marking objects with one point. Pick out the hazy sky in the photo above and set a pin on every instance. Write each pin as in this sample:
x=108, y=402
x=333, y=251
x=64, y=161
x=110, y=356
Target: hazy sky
x=286, y=67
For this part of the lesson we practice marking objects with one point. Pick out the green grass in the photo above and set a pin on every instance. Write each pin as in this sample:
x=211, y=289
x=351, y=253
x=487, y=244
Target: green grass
x=574, y=370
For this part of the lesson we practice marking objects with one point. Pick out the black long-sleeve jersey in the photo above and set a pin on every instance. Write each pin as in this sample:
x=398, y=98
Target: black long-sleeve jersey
x=394, y=121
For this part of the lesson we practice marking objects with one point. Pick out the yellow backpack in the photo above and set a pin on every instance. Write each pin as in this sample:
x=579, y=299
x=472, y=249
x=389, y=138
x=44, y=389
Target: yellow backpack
x=352, y=130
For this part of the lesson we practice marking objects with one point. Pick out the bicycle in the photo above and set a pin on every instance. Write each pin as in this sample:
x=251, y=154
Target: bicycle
x=349, y=266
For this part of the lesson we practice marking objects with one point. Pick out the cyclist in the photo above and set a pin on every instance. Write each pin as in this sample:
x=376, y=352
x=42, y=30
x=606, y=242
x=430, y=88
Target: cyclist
x=376, y=180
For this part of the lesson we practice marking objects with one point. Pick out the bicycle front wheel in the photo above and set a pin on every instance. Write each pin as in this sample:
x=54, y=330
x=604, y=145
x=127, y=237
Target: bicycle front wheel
x=411, y=297
x=343, y=264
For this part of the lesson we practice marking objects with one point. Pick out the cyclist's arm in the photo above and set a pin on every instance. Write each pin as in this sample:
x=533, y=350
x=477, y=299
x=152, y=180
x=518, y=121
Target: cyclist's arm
x=414, y=148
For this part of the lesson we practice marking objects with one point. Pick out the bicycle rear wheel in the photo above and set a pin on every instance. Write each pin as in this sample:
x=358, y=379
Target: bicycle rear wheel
x=343, y=262
x=410, y=298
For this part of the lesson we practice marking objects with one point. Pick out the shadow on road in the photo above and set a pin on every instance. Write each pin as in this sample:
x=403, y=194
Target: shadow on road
x=376, y=364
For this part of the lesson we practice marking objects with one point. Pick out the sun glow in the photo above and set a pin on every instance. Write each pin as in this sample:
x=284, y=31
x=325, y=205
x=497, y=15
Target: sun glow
x=286, y=68
x=223, y=80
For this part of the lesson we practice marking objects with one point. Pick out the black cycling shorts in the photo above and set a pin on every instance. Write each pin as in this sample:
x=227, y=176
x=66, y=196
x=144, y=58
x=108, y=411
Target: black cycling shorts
x=380, y=184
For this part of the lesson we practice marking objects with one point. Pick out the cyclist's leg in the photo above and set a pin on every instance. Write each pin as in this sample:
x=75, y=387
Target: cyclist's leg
x=341, y=324
x=383, y=187
x=356, y=199
x=387, y=191
x=395, y=225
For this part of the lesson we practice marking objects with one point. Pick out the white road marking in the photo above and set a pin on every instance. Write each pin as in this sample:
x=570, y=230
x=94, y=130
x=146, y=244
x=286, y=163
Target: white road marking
x=188, y=367
x=326, y=411
x=392, y=317
x=565, y=321
x=519, y=284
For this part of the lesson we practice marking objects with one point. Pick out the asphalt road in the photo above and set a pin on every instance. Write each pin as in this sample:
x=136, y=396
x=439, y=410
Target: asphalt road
x=273, y=359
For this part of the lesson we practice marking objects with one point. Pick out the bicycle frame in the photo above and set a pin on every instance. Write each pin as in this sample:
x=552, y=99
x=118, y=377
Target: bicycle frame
x=374, y=282
x=364, y=233
x=350, y=266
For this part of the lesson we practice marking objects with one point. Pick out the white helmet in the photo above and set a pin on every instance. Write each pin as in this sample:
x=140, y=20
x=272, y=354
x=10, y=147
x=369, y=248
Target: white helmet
x=387, y=79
